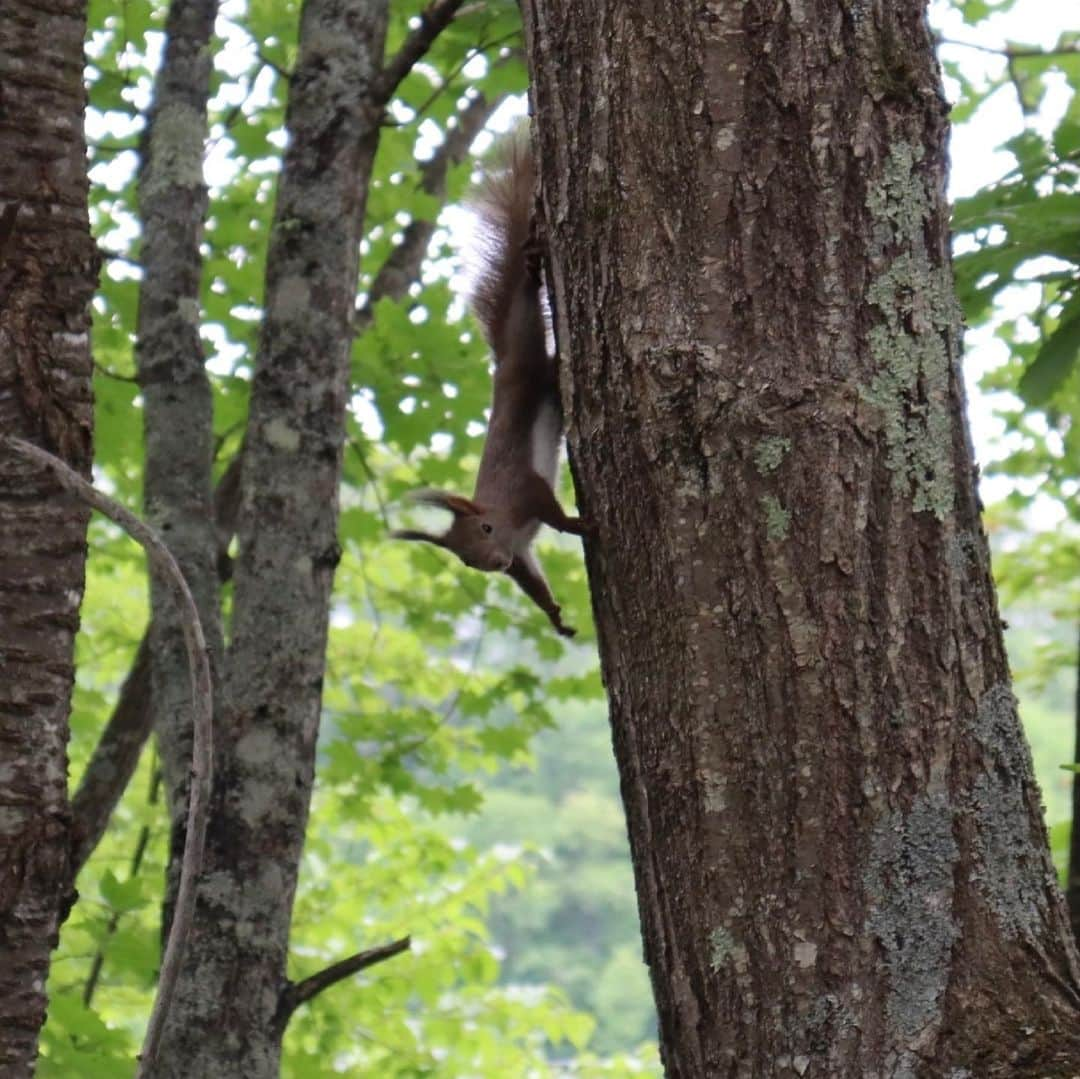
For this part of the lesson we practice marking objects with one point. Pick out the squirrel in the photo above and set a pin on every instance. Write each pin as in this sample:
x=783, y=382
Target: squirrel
x=514, y=493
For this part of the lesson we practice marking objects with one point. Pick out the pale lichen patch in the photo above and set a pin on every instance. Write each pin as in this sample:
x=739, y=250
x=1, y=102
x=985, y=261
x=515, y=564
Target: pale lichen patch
x=911, y=347
x=176, y=161
x=769, y=452
x=962, y=552
x=189, y=310
x=996, y=803
x=909, y=889
x=281, y=436
x=715, y=792
x=721, y=946
x=292, y=299
x=777, y=519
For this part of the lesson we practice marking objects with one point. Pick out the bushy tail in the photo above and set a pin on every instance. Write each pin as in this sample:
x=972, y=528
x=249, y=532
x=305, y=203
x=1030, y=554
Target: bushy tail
x=502, y=202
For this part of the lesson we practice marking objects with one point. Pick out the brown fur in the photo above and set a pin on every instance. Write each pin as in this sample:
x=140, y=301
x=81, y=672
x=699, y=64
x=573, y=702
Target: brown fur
x=514, y=485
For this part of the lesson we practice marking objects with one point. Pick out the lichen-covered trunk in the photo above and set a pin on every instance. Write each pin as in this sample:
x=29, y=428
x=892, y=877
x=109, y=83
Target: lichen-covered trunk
x=177, y=399
x=48, y=268
x=228, y=1016
x=839, y=851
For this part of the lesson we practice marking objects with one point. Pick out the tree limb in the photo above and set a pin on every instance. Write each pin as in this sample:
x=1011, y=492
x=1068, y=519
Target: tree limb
x=297, y=993
x=447, y=81
x=202, y=746
x=433, y=20
x=1015, y=52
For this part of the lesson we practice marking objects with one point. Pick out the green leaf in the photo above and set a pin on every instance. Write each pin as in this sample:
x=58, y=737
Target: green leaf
x=1055, y=360
x=121, y=895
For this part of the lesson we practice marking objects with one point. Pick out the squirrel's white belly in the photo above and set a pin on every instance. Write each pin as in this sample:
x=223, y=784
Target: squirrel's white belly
x=546, y=436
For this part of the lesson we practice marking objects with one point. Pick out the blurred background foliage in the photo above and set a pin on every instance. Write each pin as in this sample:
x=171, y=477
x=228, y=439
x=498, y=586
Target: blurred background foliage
x=467, y=793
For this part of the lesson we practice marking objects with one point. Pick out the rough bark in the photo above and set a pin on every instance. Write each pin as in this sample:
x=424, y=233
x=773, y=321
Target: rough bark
x=223, y=1020
x=1072, y=888
x=48, y=267
x=839, y=851
x=177, y=399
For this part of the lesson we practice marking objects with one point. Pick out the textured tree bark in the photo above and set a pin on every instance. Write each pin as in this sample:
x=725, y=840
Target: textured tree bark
x=48, y=268
x=223, y=1021
x=177, y=400
x=840, y=858
x=1072, y=888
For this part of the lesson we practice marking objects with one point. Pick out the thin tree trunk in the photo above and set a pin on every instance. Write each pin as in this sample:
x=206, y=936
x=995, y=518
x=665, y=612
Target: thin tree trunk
x=48, y=268
x=177, y=399
x=840, y=857
x=223, y=1021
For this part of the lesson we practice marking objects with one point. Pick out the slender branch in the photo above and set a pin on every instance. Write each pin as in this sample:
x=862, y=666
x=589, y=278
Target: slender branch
x=433, y=20
x=372, y=480
x=107, y=148
x=202, y=745
x=297, y=993
x=119, y=256
x=447, y=81
x=1015, y=52
x=103, y=370
x=1016, y=78
x=275, y=67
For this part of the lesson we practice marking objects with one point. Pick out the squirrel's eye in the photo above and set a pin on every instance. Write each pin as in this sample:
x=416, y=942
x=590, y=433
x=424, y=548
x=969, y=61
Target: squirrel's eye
x=486, y=527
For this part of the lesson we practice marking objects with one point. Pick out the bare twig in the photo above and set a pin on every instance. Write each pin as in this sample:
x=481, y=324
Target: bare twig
x=273, y=65
x=433, y=20
x=108, y=373
x=297, y=993
x=119, y=256
x=1015, y=52
x=108, y=148
x=366, y=467
x=447, y=81
x=202, y=747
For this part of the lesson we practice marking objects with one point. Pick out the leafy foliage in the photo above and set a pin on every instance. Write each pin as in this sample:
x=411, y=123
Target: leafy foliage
x=1018, y=277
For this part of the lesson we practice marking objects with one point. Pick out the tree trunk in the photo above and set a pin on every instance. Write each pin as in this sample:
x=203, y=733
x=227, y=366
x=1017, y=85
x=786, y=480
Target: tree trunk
x=177, y=401
x=227, y=1019
x=840, y=858
x=1072, y=888
x=48, y=267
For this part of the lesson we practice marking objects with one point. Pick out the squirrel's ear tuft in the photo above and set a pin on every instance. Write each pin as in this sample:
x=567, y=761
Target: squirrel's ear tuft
x=422, y=537
x=458, y=505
